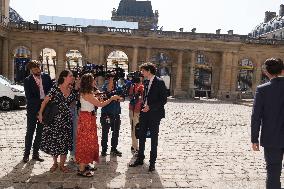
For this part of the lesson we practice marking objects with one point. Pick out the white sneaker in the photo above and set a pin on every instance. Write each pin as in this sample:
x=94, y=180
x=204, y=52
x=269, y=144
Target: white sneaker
x=72, y=158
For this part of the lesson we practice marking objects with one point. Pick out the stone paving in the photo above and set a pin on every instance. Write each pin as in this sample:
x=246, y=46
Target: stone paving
x=202, y=144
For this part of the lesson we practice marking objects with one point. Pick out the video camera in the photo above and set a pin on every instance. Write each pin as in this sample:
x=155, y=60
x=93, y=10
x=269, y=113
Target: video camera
x=116, y=74
x=135, y=76
x=96, y=70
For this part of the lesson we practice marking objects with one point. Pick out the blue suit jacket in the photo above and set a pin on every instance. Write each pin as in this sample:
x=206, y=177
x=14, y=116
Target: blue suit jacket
x=32, y=91
x=268, y=114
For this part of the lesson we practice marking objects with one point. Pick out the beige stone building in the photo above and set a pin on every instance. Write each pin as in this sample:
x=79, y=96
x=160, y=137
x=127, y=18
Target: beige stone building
x=220, y=65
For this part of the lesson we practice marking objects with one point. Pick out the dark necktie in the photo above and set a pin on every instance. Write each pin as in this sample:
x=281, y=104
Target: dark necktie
x=146, y=85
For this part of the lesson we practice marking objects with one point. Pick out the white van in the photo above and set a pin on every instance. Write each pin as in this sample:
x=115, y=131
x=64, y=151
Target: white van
x=11, y=96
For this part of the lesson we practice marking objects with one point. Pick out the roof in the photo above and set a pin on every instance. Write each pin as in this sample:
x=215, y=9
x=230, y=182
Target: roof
x=135, y=8
x=14, y=16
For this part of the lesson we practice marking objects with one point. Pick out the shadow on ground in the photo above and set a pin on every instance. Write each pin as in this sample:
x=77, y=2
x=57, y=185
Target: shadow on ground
x=21, y=177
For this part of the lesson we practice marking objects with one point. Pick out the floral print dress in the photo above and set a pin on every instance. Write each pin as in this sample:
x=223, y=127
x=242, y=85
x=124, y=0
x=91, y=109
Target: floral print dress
x=57, y=136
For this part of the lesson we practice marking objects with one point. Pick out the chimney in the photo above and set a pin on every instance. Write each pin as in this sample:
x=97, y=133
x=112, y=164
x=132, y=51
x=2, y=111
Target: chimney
x=268, y=16
x=193, y=30
x=218, y=31
x=281, y=10
x=230, y=32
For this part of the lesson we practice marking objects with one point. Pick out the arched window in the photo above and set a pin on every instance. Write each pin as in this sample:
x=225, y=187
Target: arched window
x=202, y=76
x=22, y=56
x=245, y=75
x=48, y=61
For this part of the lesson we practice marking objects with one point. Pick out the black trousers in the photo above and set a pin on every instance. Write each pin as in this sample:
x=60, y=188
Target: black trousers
x=110, y=121
x=148, y=122
x=273, y=158
x=33, y=126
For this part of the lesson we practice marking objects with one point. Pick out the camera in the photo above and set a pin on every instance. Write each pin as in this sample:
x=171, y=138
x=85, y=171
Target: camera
x=116, y=74
x=135, y=76
x=95, y=70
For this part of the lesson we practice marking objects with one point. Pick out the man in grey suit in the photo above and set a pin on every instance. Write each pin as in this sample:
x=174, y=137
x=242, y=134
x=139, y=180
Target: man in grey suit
x=268, y=115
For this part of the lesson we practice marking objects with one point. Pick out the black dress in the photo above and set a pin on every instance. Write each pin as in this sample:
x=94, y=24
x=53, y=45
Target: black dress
x=57, y=136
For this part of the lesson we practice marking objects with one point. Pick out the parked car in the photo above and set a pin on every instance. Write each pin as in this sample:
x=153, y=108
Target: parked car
x=11, y=95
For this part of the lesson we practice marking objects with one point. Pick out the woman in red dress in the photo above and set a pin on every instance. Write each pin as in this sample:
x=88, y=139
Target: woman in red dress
x=87, y=146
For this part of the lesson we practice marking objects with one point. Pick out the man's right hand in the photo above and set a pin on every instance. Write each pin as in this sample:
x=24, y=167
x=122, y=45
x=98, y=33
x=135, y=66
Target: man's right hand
x=255, y=146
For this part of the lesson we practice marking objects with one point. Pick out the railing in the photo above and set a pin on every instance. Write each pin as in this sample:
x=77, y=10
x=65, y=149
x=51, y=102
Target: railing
x=44, y=27
x=143, y=33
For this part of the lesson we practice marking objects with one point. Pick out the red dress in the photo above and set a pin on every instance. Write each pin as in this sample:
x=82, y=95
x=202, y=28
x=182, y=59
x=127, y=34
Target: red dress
x=87, y=146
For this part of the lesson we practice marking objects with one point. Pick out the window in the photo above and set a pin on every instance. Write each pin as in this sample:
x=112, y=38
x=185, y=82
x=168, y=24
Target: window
x=200, y=59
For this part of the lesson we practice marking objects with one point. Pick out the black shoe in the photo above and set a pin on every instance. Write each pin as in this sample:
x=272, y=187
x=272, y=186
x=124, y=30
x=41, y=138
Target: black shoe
x=135, y=153
x=136, y=163
x=37, y=158
x=115, y=152
x=151, y=168
x=103, y=154
x=26, y=158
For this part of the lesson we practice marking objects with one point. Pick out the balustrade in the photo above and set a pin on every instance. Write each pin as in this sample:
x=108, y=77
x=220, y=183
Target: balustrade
x=136, y=32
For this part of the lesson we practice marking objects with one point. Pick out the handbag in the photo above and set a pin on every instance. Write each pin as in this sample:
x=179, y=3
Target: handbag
x=137, y=126
x=50, y=110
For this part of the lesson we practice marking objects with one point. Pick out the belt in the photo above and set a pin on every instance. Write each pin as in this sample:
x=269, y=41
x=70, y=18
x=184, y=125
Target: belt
x=92, y=112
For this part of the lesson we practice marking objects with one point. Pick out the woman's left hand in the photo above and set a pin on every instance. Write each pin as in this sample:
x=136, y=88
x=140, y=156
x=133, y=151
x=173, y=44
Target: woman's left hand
x=39, y=117
x=77, y=83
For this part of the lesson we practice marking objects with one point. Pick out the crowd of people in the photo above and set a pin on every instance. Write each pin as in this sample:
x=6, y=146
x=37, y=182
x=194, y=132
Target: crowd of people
x=73, y=129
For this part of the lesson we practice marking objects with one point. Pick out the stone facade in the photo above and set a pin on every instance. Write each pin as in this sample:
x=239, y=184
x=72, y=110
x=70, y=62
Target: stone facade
x=221, y=53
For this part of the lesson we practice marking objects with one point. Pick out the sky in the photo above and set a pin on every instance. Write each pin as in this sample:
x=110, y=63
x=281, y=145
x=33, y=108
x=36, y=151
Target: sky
x=205, y=15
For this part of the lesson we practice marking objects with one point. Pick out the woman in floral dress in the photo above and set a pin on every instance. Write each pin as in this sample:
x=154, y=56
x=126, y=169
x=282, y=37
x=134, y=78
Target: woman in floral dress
x=57, y=136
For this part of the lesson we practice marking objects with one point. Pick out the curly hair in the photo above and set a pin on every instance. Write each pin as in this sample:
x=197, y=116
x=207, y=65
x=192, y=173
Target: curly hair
x=33, y=64
x=87, y=83
x=274, y=66
x=149, y=66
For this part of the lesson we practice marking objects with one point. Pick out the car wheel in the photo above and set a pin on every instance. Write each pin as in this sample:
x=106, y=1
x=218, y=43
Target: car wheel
x=6, y=104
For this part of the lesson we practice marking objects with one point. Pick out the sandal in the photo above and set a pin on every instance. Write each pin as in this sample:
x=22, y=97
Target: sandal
x=90, y=168
x=84, y=173
x=64, y=169
x=53, y=168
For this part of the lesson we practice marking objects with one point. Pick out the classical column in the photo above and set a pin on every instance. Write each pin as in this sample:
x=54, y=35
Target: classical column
x=5, y=58
x=257, y=74
x=148, y=54
x=11, y=67
x=94, y=54
x=191, y=92
x=235, y=69
x=102, y=55
x=34, y=52
x=100, y=80
x=178, y=91
x=1, y=55
x=60, y=64
x=225, y=76
x=134, y=62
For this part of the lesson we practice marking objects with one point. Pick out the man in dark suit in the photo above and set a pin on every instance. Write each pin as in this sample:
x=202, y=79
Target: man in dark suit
x=155, y=97
x=36, y=86
x=268, y=115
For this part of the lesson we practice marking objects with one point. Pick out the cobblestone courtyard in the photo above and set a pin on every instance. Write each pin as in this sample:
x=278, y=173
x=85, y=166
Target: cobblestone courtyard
x=202, y=144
